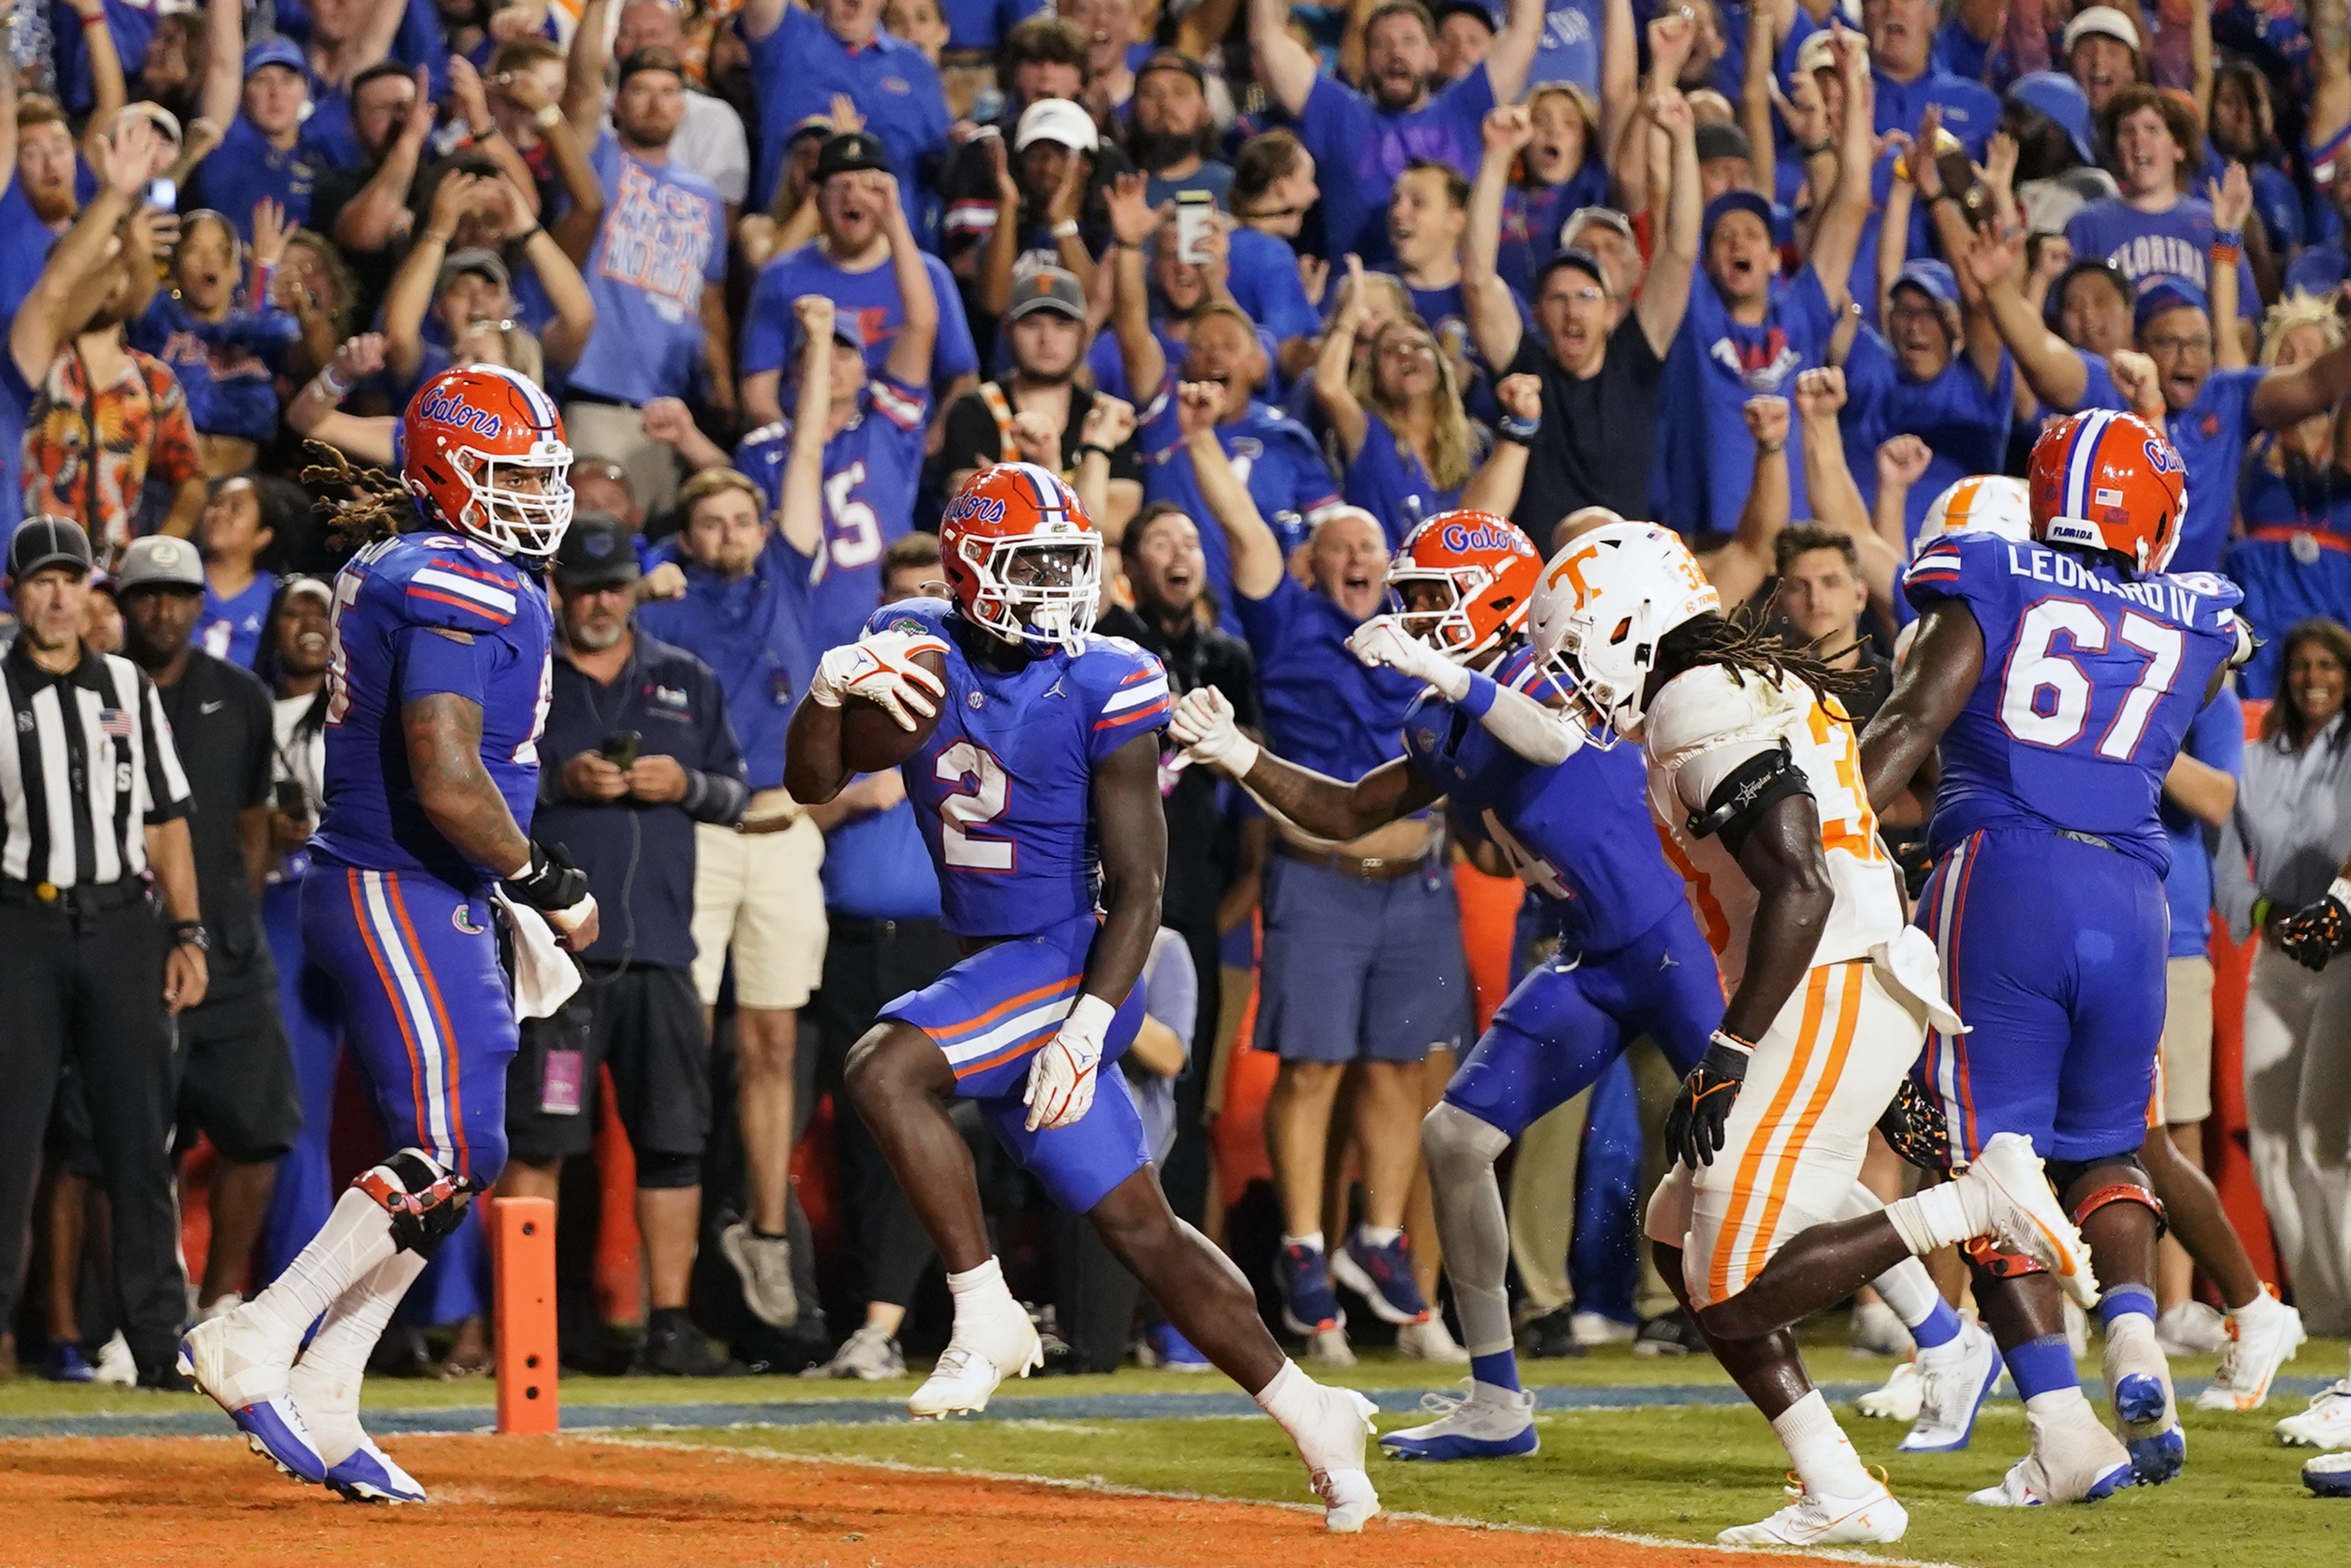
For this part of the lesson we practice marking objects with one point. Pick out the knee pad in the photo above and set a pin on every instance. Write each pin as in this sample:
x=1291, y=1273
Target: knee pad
x=1454, y=1141
x=661, y=1172
x=425, y=1199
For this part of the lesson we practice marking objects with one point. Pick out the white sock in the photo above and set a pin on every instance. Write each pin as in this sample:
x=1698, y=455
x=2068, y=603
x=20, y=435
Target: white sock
x=328, y=1376
x=1909, y=1290
x=980, y=1291
x=1297, y=1404
x=1311, y=1240
x=2260, y=1307
x=355, y=1238
x=1824, y=1460
x=2059, y=1403
x=1379, y=1235
x=1940, y=1217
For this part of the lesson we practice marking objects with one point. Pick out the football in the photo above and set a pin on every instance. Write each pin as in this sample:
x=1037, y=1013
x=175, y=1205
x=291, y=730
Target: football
x=871, y=740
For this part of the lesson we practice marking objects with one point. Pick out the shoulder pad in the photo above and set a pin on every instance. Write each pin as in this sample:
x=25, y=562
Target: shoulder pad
x=440, y=579
x=1713, y=706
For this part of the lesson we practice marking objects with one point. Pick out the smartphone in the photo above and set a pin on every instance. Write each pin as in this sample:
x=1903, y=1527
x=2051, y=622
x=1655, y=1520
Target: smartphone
x=163, y=195
x=1195, y=214
x=621, y=748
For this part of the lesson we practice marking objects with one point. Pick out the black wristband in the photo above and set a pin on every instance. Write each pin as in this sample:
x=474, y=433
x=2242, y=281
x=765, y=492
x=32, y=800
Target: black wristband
x=191, y=933
x=1516, y=431
x=1106, y=454
x=551, y=880
x=1828, y=146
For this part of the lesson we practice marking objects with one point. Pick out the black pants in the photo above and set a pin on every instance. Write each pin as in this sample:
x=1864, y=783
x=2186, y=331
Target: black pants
x=90, y=989
x=867, y=965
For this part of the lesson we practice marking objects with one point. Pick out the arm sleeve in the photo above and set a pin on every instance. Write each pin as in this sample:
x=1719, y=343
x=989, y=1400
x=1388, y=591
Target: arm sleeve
x=163, y=791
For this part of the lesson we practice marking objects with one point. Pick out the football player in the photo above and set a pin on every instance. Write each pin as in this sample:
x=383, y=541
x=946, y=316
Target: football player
x=437, y=685
x=1754, y=777
x=1037, y=788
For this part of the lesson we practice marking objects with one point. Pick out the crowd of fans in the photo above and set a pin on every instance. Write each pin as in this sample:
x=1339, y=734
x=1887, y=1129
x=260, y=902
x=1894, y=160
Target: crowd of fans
x=1270, y=284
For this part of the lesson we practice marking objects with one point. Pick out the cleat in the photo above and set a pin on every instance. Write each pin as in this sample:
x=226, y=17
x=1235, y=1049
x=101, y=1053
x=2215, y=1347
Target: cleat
x=1329, y=1347
x=1901, y=1399
x=2146, y=1415
x=869, y=1356
x=1553, y=1334
x=2073, y=1460
x=355, y=1469
x=2325, y=1424
x=114, y=1363
x=66, y=1364
x=2329, y=1475
x=1490, y=1423
x=978, y=1357
x=1332, y=1449
x=1162, y=1347
x=2191, y=1328
x=1810, y=1521
x=1954, y=1381
x=246, y=1374
x=2025, y=1216
x=1308, y=1305
x=1383, y=1277
x=1428, y=1340
x=1670, y=1333
x=1876, y=1330
x=2262, y=1339
x=368, y=1474
x=1598, y=1328
x=764, y=1265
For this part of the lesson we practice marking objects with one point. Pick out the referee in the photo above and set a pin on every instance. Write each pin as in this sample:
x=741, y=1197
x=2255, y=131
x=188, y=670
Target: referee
x=92, y=801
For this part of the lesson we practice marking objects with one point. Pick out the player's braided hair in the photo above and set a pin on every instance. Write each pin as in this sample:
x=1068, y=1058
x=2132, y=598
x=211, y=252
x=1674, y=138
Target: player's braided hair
x=373, y=504
x=1744, y=642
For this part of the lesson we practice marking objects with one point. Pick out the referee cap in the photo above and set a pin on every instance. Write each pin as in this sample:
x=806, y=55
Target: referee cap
x=47, y=541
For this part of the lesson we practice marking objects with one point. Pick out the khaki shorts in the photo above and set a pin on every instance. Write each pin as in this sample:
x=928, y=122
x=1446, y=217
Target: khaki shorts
x=2187, y=1040
x=760, y=894
x=1791, y=1152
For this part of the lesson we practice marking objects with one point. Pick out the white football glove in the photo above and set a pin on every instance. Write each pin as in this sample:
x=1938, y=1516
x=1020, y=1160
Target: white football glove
x=1203, y=725
x=1062, y=1076
x=880, y=668
x=1383, y=639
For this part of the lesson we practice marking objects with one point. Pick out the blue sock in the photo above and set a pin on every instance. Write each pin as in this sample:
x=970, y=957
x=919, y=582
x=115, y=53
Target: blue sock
x=2124, y=1300
x=1942, y=1328
x=2044, y=1366
x=1500, y=1369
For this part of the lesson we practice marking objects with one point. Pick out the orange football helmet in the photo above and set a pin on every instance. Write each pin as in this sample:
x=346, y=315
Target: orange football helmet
x=1484, y=567
x=2112, y=482
x=1021, y=556
x=481, y=447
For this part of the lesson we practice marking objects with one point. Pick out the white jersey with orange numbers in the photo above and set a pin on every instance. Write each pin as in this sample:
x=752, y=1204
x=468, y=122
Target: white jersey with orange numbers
x=1700, y=728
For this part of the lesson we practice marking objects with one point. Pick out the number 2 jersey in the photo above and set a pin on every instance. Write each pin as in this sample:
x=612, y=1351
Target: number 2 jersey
x=414, y=616
x=2091, y=678
x=1003, y=788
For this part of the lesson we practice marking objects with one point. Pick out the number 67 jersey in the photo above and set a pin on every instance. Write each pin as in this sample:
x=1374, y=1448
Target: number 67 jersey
x=2091, y=678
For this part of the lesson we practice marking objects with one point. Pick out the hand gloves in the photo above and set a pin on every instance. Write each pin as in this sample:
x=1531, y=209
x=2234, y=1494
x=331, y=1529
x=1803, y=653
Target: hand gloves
x=880, y=668
x=1203, y=725
x=2312, y=935
x=1694, y=1124
x=1383, y=639
x=1062, y=1076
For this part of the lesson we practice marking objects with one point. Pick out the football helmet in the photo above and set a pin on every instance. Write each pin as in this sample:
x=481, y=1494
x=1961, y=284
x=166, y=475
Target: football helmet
x=1483, y=568
x=482, y=449
x=1021, y=556
x=1981, y=503
x=2109, y=481
x=1602, y=606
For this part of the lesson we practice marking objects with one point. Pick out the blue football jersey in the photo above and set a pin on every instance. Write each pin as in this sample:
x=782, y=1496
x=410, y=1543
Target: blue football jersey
x=1579, y=835
x=2091, y=678
x=416, y=615
x=1003, y=788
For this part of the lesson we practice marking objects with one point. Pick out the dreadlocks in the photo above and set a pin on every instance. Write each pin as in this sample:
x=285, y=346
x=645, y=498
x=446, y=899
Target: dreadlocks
x=1743, y=643
x=378, y=506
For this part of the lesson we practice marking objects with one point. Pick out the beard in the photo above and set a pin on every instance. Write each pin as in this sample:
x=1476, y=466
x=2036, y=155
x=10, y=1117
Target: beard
x=1060, y=378
x=51, y=206
x=1156, y=150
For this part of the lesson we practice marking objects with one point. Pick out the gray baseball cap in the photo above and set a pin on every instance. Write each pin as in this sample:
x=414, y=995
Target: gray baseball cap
x=159, y=560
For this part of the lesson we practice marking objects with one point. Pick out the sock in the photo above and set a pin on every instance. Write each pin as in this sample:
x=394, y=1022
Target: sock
x=1311, y=1241
x=1380, y=1234
x=2125, y=1301
x=1942, y=1328
x=2052, y=1404
x=980, y=1290
x=2259, y=1307
x=1292, y=1400
x=1499, y=1369
x=326, y=1379
x=1824, y=1460
x=1909, y=1292
x=355, y=1237
x=1939, y=1216
x=2044, y=1366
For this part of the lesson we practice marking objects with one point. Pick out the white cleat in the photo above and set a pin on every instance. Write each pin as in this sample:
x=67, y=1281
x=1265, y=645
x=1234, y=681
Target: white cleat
x=114, y=1363
x=1810, y=1521
x=1428, y=1340
x=976, y=1360
x=2260, y=1340
x=2325, y=1424
x=1954, y=1381
x=2073, y=1460
x=1900, y=1399
x=1588, y=1329
x=2191, y=1328
x=1329, y=1347
x=2147, y=1416
x=1877, y=1330
x=357, y=1469
x=1333, y=1448
x=2026, y=1217
x=1491, y=1423
x=245, y=1370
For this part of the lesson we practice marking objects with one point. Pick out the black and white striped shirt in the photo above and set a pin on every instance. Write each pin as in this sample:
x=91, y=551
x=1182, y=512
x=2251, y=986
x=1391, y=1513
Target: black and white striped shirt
x=86, y=766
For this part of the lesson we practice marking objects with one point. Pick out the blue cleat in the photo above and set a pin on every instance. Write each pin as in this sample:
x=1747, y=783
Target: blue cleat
x=2139, y=1385
x=1308, y=1305
x=1381, y=1276
x=245, y=1374
x=1490, y=1423
x=370, y=1475
x=66, y=1364
x=1169, y=1351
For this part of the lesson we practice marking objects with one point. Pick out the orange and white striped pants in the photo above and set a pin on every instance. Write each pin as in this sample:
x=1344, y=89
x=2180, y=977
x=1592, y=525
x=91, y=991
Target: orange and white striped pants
x=1819, y=1080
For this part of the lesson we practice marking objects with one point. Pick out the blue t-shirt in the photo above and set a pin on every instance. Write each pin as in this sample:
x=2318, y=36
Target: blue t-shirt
x=1359, y=151
x=231, y=628
x=228, y=369
x=1963, y=423
x=1393, y=484
x=664, y=239
x=1531, y=219
x=393, y=603
x=800, y=66
x=1705, y=462
x=2216, y=739
x=2211, y=436
x=1970, y=110
x=2091, y=678
x=26, y=241
x=2320, y=269
x=247, y=169
x=2146, y=247
x=982, y=24
x=1569, y=50
x=753, y=633
x=1212, y=176
x=15, y=402
x=771, y=334
x=1265, y=284
x=1273, y=454
x=130, y=24
x=1323, y=709
x=875, y=868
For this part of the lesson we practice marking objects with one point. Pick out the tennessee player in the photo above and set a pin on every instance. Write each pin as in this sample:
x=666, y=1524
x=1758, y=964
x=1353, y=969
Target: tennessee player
x=1754, y=778
x=1572, y=822
x=437, y=685
x=1037, y=789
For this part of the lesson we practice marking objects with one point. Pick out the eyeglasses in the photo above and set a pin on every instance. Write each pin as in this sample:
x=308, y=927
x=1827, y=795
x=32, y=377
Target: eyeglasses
x=2197, y=345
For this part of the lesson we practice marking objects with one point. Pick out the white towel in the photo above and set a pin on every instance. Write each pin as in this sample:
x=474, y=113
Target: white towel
x=545, y=975
x=1911, y=962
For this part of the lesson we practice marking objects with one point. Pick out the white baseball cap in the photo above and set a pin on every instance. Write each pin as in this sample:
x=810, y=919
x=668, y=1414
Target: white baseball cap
x=2104, y=21
x=1057, y=120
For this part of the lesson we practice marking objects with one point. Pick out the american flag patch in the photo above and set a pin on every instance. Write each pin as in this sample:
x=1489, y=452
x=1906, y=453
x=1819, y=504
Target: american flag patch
x=115, y=722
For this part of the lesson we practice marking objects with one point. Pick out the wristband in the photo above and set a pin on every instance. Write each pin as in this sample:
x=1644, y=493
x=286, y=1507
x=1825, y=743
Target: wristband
x=1770, y=448
x=547, y=117
x=2226, y=254
x=1066, y=229
x=330, y=386
x=1092, y=449
x=1478, y=700
x=191, y=933
x=1828, y=146
x=528, y=235
x=1729, y=1042
x=2232, y=239
x=1511, y=428
x=1091, y=1019
x=2339, y=890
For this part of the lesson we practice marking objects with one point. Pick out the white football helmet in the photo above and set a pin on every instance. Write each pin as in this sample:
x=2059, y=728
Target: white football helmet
x=1982, y=503
x=1600, y=609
